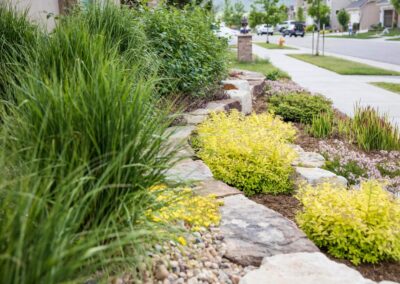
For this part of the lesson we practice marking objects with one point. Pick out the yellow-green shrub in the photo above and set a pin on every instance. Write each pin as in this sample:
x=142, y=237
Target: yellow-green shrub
x=362, y=225
x=183, y=205
x=248, y=152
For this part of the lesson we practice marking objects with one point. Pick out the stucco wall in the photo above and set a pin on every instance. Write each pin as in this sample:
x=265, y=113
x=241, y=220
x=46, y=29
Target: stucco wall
x=39, y=9
x=369, y=15
x=335, y=6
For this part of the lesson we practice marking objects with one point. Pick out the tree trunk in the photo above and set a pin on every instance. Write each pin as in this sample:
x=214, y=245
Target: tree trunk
x=319, y=32
x=66, y=5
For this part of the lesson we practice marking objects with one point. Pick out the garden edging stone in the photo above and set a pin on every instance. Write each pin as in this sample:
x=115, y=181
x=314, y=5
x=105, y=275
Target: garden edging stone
x=315, y=176
x=253, y=231
x=304, y=268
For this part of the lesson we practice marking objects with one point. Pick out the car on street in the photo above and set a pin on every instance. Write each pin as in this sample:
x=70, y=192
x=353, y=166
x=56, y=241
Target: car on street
x=265, y=29
x=295, y=29
x=284, y=25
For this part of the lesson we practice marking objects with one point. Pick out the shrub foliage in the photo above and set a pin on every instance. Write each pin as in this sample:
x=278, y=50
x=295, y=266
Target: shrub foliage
x=250, y=153
x=299, y=107
x=362, y=225
x=189, y=52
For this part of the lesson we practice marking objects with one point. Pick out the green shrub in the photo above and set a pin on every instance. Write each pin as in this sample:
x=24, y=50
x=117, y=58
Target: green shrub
x=250, y=153
x=362, y=225
x=372, y=131
x=192, y=58
x=310, y=28
x=322, y=125
x=17, y=38
x=299, y=107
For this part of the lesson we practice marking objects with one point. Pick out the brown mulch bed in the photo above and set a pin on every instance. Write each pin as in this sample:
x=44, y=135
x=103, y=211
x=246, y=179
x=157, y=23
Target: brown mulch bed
x=288, y=206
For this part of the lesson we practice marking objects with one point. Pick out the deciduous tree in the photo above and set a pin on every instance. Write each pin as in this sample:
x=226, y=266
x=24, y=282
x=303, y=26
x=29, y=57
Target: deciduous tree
x=343, y=19
x=272, y=12
x=300, y=14
x=318, y=11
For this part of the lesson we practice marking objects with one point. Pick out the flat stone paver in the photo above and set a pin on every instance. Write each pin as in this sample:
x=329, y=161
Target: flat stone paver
x=253, y=231
x=315, y=176
x=216, y=187
x=303, y=268
x=344, y=91
x=188, y=171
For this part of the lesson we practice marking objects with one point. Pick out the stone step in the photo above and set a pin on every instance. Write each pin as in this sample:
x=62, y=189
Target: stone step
x=315, y=176
x=253, y=231
x=189, y=171
x=304, y=268
x=219, y=188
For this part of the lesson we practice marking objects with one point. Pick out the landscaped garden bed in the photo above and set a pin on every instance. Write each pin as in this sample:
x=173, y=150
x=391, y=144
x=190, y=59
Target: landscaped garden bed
x=356, y=157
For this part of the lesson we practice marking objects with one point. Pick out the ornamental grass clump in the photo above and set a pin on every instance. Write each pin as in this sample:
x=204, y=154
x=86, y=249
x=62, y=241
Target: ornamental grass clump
x=79, y=149
x=373, y=131
x=248, y=152
x=322, y=125
x=299, y=107
x=361, y=225
x=18, y=37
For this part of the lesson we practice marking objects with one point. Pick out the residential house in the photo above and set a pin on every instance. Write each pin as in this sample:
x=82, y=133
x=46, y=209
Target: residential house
x=388, y=16
x=334, y=5
x=373, y=12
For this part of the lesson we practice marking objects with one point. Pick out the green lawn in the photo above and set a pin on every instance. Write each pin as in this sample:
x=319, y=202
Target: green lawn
x=393, y=87
x=343, y=66
x=367, y=35
x=397, y=38
x=272, y=45
x=262, y=66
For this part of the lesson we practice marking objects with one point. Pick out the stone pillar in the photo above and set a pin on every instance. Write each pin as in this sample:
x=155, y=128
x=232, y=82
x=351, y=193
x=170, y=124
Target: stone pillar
x=245, y=52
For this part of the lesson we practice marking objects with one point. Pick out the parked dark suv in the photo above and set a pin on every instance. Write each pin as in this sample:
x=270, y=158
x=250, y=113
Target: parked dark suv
x=294, y=29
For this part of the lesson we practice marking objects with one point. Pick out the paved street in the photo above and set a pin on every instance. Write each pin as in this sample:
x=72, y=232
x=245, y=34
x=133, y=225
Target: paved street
x=372, y=49
x=344, y=91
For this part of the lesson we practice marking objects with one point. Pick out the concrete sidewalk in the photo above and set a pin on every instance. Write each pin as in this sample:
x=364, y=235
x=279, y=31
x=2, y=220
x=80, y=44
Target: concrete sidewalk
x=344, y=91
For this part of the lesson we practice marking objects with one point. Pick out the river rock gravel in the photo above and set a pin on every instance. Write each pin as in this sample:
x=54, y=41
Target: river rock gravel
x=199, y=261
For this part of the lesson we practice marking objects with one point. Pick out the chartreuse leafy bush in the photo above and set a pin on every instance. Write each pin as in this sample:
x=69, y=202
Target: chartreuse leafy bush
x=299, y=107
x=183, y=205
x=361, y=225
x=248, y=152
x=191, y=57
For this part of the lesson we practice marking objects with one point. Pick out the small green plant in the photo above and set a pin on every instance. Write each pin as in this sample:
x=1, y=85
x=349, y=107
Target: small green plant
x=373, y=131
x=275, y=75
x=322, y=125
x=362, y=225
x=350, y=170
x=299, y=107
x=250, y=153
